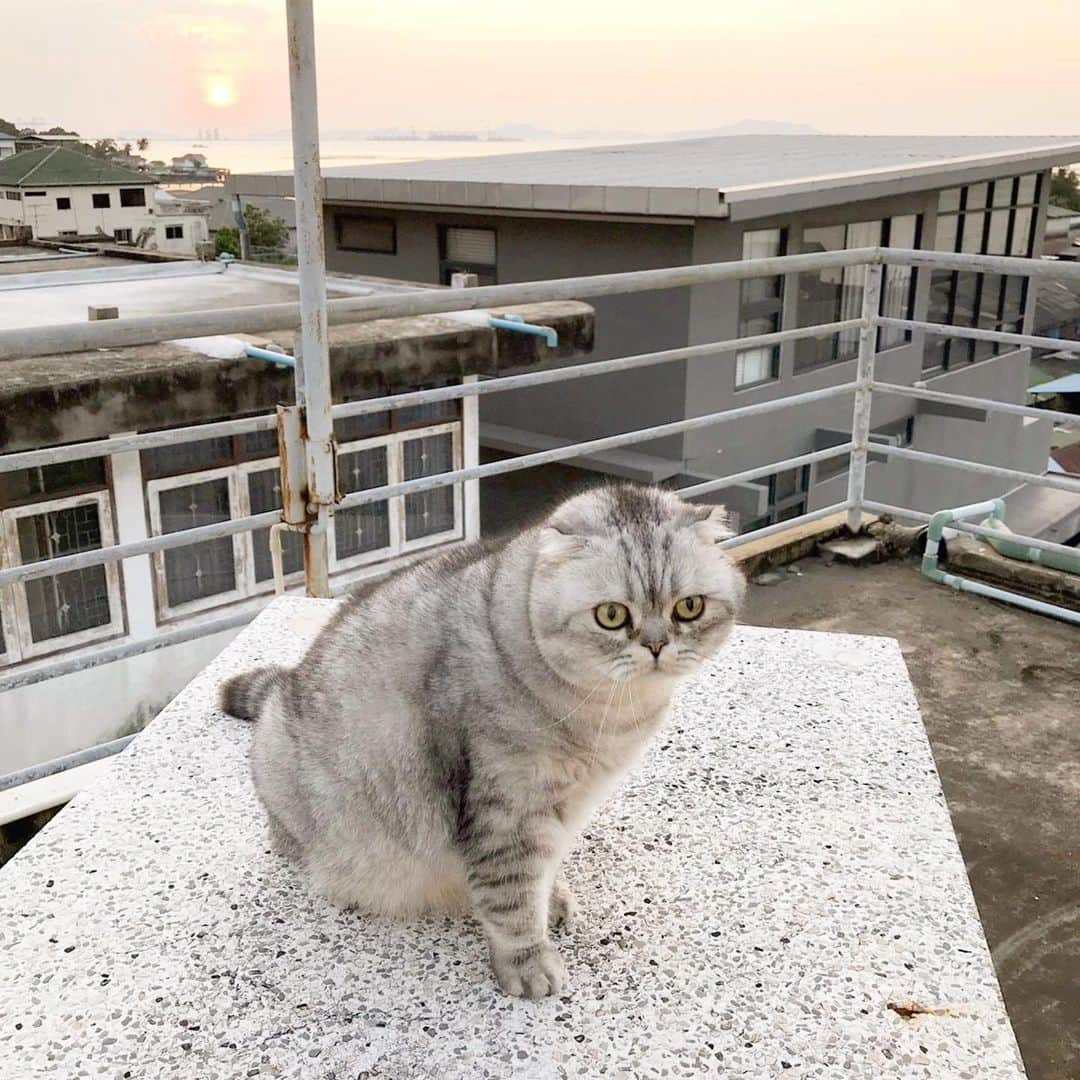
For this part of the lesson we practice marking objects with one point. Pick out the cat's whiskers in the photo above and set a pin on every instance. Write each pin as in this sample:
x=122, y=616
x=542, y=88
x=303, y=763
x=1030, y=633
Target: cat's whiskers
x=564, y=718
x=603, y=719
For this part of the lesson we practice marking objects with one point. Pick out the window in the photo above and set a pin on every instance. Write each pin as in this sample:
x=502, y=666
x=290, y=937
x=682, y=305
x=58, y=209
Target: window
x=122, y=236
x=63, y=203
x=985, y=219
x=898, y=282
x=786, y=498
x=100, y=200
x=761, y=302
x=14, y=196
x=174, y=232
x=34, y=195
x=69, y=232
x=132, y=196
x=49, y=512
x=833, y=295
x=193, y=484
x=356, y=232
x=467, y=251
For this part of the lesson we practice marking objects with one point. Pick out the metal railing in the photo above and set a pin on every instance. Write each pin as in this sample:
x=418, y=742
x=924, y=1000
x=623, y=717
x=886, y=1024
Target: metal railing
x=312, y=445
x=306, y=429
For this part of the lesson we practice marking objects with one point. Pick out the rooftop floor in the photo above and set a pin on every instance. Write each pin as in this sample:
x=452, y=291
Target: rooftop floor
x=998, y=688
x=777, y=888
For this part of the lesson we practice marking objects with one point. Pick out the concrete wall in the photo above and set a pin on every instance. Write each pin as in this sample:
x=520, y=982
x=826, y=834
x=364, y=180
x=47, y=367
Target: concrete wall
x=532, y=249
x=42, y=215
x=195, y=230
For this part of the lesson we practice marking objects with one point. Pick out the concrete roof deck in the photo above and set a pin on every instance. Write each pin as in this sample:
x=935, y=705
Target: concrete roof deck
x=737, y=176
x=777, y=888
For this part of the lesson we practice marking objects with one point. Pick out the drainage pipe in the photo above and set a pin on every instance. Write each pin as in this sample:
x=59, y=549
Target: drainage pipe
x=930, y=568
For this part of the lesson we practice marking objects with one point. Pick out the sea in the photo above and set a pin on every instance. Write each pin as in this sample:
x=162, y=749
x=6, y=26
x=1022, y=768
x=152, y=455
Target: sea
x=275, y=155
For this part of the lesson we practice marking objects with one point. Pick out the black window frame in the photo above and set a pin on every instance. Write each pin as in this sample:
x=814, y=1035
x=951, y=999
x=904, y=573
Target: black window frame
x=488, y=273
x=100, y=200
x=132, y=196
x=63, y=202
x=341, y=216
x=174, y=232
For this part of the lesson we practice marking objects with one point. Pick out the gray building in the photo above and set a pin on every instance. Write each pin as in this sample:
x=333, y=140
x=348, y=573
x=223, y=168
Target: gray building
x=532, y=216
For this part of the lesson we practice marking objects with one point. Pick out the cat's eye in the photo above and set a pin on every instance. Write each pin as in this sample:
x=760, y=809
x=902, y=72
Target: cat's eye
x=612, y=616
x=689, y=608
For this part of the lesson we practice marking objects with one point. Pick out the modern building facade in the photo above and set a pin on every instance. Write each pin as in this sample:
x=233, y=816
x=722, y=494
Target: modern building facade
x=58, y=193
x=533, y=216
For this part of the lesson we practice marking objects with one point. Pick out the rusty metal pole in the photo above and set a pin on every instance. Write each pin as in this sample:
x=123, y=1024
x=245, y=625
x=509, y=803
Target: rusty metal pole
x=312, y=356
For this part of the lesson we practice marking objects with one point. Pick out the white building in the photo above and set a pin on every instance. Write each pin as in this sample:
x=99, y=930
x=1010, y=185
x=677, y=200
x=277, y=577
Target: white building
x=59, y=193
x=7, y=146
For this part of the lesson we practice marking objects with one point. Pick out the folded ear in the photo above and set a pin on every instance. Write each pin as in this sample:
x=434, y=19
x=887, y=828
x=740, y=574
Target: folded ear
x=555, y=544
x=713, y=523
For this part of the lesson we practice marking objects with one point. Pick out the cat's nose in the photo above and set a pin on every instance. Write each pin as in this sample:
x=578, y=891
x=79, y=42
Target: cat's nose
x=654, y=647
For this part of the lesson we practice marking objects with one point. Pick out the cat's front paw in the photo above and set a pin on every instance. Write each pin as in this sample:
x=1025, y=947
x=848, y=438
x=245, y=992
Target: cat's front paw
x=534, y=972
x=562, y=910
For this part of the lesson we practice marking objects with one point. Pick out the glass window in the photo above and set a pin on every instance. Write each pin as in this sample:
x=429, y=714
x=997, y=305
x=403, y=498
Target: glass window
x=977, y=195
x=362, y=529
x=358, y=232
x=101, y=200
x=73, y=601
x=942, y=285
x=71, y=607
x=972, y=228
x=997, y=239
x=469, y=251
x=898, y=282
x=833, y=295
x=1027, y=189
x=761, y=302
x=945, y=237
x=63, y=203
x=65, y=478
x=264, y=494
x=133, y=196
x=207, y=568
x=429, y=512
x=989, y=314
x=949, y=200
x=1004, y=192
x=187, y=457
x=1022, y=239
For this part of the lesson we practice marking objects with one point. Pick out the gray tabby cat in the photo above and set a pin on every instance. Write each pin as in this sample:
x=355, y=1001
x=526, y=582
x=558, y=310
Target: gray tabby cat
x=449, y=733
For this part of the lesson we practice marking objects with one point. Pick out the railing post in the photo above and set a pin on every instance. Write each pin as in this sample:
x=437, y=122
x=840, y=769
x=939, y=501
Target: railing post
x=312, y=356
x=864, y=377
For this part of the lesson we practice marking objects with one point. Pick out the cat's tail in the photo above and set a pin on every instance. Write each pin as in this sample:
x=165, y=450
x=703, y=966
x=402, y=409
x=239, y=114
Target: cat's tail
x=243, y=695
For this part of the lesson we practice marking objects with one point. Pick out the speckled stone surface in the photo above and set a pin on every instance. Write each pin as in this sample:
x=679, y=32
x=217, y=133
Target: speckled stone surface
x=780, y=872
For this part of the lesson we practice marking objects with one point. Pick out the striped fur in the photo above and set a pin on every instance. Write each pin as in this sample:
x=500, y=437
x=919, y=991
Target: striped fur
x=449, y=733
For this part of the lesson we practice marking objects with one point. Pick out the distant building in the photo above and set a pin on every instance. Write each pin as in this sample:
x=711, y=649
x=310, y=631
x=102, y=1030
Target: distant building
x=61, y=194
x=189, y=163
x=7, y=146
x=31, y=140
x=219, y=203
x=601, y=210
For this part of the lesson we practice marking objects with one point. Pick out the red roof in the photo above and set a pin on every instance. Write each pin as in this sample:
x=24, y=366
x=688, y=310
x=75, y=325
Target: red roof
x=1068, y=457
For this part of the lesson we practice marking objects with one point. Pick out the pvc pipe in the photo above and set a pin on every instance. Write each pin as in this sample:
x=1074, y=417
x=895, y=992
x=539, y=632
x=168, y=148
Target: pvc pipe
x=520, y=326
x=933, y=571
x=281, y=360
x=1013, y=547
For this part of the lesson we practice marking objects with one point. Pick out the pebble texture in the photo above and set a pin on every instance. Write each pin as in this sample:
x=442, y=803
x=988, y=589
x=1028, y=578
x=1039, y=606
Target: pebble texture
x=777, y=892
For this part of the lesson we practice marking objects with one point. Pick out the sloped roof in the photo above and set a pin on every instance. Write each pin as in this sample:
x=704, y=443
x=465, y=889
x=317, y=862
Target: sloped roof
x=1067, y=384
x=51, y=165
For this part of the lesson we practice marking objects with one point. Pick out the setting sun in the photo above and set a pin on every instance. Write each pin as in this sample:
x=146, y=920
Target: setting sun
x=219, y=92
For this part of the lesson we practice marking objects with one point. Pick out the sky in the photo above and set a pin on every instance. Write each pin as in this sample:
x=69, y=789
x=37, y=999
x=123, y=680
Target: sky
x=874, y=67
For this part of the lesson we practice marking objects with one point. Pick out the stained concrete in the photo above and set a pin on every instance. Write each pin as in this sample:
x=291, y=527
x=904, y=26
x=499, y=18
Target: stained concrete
x=999, y=690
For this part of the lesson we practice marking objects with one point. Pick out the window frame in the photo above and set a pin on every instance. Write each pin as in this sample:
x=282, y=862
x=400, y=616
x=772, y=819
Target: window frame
x=174, y=232
x=136, y=194
x=236, y=475
x=448, y=267
x=96, y=205
x=119, y=236
x=243, y=470
x=456, y=531
x=14, y=606
x=65, y=199
x=241, y=568
x=774, y=358
x=341, y=215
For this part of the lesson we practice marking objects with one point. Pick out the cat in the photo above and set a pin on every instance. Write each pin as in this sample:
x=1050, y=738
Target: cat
x=449, y=733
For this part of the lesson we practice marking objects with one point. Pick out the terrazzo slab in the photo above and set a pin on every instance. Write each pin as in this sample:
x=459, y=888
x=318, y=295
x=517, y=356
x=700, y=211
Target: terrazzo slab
x=776, y=892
